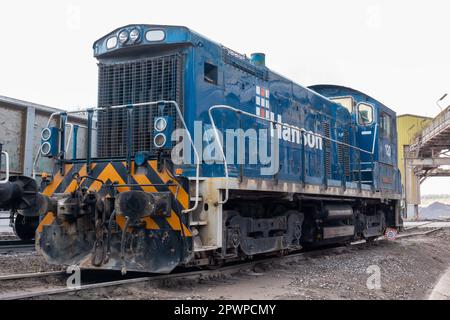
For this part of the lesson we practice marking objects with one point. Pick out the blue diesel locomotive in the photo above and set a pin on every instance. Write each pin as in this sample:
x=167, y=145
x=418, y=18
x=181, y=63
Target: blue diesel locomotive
x=197, y=155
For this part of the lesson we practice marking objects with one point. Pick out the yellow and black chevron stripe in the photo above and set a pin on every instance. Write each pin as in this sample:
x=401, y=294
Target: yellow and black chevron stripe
x=116, y=172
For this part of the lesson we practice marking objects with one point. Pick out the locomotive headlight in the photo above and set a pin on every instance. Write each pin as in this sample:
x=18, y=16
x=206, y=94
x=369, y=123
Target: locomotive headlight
x=46, y=148
x=46, y=134
x=135, y=35
x=123, y=37
x=111, y=43
x=160, y=140
x=160, y=124
x=155, y=35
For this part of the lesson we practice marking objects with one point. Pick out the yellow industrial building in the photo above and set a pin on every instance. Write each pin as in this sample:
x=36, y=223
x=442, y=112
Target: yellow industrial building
x=408, y=126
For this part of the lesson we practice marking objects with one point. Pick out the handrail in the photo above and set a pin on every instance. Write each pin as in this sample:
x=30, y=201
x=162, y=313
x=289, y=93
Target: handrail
x=71, y=126
x=435, y=127
x=6, y=180
x=180, y=115
x=238, y=111
x=33, y=175
x=289, y=126
x=374, y=139
x=38, y=155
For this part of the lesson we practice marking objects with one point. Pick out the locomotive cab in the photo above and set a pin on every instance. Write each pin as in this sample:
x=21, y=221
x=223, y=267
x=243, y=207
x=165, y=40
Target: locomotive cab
x=375, y=132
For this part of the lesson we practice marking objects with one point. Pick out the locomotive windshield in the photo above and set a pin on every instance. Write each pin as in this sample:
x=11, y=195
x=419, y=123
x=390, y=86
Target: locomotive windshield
x=346, y=102
x=365, y=114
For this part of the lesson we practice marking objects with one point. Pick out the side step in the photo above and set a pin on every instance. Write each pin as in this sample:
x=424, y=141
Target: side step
x=196, y=221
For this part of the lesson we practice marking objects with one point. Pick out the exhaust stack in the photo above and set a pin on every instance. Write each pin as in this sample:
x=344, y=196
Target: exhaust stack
x=259, y=59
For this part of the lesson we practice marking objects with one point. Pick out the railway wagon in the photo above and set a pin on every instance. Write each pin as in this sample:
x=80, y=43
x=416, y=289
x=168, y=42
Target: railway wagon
x=21, y=123
x=201, y=155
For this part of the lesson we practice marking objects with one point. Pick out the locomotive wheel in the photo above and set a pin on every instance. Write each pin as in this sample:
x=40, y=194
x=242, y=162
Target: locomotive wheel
x=25, y=227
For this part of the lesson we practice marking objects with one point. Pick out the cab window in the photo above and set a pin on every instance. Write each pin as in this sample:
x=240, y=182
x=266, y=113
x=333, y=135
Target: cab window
x=386, y=125
x=365, y=114
x=346, y=102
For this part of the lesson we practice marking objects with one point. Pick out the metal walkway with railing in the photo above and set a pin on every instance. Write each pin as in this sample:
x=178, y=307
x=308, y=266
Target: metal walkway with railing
x=434, y=140
x=427, y=157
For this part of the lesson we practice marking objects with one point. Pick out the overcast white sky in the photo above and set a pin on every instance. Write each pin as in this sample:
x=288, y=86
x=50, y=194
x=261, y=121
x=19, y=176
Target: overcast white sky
x=396, y=51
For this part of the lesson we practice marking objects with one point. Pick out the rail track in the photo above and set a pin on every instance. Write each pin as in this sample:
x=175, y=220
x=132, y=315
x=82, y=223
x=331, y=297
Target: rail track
x=36, y=291
x=11, y=246
x=30, y=275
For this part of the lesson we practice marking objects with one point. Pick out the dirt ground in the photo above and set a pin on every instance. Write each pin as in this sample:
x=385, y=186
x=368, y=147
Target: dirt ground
x=409, y=267
x=23, y=262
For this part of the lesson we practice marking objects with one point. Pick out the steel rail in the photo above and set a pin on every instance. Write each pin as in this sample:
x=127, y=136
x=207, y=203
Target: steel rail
x=407, y=235
x=4, y=243
x=16, y=248
x=30, y=275
x=418, y=226
x=185, y=275
x=7, y=246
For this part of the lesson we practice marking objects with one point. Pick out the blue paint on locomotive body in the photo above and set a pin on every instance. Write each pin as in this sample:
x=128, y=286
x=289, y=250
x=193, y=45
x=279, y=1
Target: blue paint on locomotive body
x=234, y=81
x=375, y=136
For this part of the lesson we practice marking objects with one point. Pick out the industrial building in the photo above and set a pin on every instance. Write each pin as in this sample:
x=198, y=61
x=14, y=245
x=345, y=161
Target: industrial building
x=429, y=154
x=408, y=127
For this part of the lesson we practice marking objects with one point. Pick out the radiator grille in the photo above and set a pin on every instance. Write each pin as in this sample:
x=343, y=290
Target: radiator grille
x=146, y=80
x=326, y=128
x=344, y=154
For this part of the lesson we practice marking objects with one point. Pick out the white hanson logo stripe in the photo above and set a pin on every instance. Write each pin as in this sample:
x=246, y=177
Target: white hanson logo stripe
x=284, y=133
